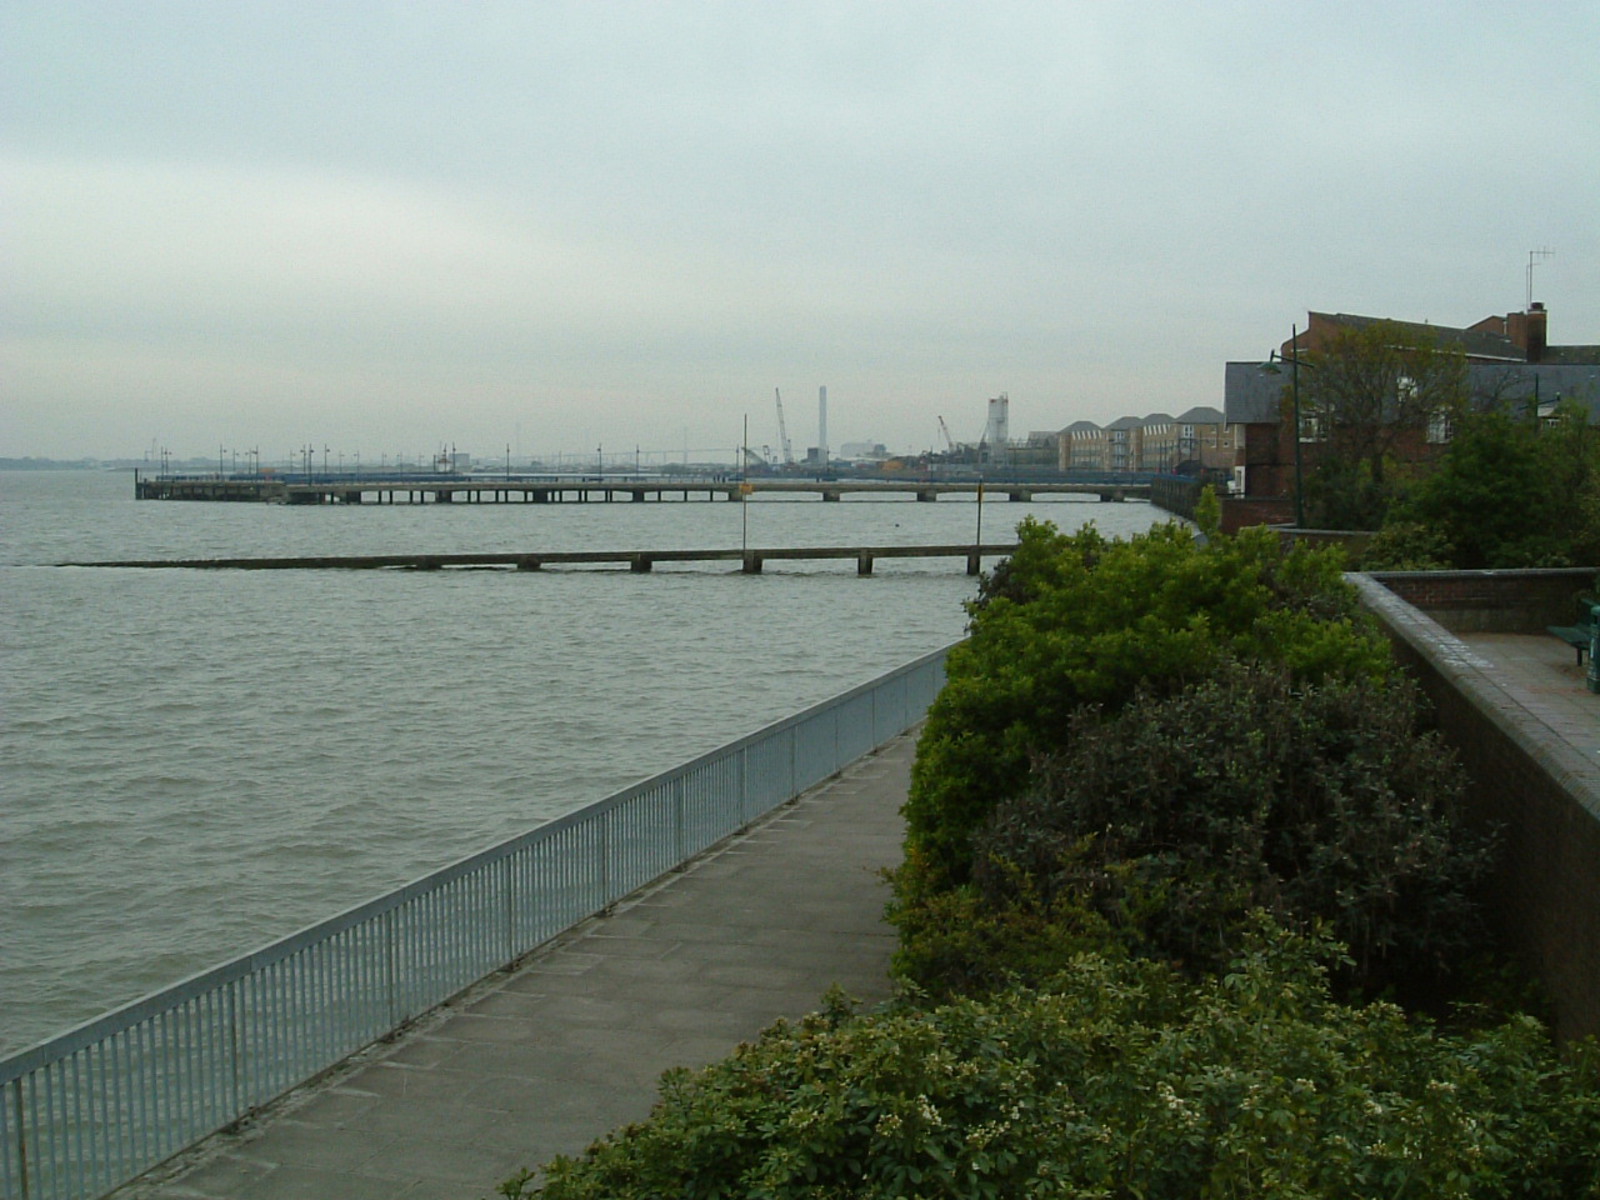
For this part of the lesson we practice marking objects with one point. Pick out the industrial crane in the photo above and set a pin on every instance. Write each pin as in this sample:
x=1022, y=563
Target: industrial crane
x=949, y=442
x=783, y=431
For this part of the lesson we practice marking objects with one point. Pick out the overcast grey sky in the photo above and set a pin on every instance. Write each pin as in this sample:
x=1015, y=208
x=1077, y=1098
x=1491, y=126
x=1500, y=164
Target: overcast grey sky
x=382, y=227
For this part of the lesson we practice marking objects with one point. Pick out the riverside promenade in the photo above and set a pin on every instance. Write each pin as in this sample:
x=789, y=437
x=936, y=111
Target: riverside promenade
x=569, y=1046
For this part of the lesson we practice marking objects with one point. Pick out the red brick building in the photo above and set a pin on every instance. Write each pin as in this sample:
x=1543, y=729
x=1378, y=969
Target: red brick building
x=1508, y=358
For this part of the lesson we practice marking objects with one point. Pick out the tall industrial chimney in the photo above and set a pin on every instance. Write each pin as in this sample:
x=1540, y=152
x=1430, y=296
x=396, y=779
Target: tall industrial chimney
x=997, y=430
x=822, y=425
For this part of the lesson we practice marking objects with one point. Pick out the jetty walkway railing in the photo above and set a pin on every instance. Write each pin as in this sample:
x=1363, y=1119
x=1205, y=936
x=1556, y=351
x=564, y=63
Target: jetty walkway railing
x=97, y=1106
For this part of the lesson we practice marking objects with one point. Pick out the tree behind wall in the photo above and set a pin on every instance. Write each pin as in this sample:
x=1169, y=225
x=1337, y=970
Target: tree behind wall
x=1367, y=399
x=1512, y=491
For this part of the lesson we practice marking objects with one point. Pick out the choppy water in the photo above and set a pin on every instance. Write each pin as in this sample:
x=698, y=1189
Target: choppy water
x=194, y=763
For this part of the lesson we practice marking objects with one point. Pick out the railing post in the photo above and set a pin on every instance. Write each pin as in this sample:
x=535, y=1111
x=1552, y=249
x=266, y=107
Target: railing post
x=235, y=1067
x=677, y=821
x=510, y=908
x=744, y=786
x=390, y=973
x=22, y=1138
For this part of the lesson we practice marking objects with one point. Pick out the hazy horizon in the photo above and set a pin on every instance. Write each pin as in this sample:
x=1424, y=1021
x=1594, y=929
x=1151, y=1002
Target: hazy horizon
x=383, y=228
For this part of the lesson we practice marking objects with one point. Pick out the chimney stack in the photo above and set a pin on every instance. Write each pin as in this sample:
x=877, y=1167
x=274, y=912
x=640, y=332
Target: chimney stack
x=822, y=425
x=1529, y=332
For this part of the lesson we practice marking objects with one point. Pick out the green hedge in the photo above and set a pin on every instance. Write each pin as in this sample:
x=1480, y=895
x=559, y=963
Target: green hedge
x=1074, y=620
x=1119, y=1080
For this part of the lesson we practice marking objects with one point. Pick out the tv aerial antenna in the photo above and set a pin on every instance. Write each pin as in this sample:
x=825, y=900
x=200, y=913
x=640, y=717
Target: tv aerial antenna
x=1534, y=257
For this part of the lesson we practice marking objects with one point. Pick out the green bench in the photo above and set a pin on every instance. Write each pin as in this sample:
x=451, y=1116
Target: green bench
x=1576, y=636
x=1579, y=636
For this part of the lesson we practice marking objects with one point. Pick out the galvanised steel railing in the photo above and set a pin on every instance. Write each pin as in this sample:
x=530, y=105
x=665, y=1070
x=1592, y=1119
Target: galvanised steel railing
x=85, y=1112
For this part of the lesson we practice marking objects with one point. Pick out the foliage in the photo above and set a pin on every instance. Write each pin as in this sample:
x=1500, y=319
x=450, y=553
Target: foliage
x=1078, y=619
x=1367, y=397
x=1513, y=492
x=1176, y=817
x=1403, y=545
x=1120, y=1080
x=1208, y=512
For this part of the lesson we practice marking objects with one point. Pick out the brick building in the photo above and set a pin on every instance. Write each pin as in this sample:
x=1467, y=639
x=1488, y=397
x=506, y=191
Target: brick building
x=1509, y=359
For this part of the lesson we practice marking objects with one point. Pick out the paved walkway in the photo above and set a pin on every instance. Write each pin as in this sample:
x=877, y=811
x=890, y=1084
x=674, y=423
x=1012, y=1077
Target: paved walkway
x=1543, y=676
x=548, y=1059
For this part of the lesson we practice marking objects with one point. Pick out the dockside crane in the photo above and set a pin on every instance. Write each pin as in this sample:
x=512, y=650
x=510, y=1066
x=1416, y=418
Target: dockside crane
x=783, y=431
x=949, y=441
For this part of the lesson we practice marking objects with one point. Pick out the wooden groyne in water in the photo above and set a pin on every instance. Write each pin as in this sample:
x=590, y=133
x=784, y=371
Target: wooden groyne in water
x=751, y=561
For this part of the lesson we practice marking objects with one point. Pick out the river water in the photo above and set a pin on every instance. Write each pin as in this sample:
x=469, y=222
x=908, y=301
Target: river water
x=193, y=763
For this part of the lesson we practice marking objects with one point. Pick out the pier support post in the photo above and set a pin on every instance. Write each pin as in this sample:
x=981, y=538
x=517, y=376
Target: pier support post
x=752, y=563
x=863, y=563
x=529, y=562
x=640, y=564
x=974, y=564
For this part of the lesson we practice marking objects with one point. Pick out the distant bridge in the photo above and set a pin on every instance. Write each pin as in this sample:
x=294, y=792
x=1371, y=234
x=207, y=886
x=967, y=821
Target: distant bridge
x=485, y=489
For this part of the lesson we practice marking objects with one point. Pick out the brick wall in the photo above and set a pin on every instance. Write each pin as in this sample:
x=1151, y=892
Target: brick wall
x=1540, y=792
x=1493, y=601
x=1240, y=511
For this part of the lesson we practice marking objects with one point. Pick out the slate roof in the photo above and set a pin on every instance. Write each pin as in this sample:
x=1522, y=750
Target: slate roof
x=1556, y=381
x=1477, y=343
x=1571, y=356
x=1253, y=392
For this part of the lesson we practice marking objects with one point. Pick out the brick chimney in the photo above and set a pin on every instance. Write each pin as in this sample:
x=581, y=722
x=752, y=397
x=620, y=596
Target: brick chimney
x=1528, y=332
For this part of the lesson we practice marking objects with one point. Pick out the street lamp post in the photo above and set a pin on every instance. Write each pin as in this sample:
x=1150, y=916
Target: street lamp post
x=1294, y=401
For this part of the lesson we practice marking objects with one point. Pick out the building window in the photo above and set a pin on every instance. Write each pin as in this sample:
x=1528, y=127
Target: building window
x=1438, y=427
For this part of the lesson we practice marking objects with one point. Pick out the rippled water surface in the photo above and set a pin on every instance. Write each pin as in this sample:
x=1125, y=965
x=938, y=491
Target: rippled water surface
x=193, y=763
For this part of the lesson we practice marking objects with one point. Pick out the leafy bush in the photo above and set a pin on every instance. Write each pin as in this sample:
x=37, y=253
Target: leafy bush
x=1508, y=491
x=1407, y=546
x=1077, y=619
x=1175, y=817
x=1121, y=1080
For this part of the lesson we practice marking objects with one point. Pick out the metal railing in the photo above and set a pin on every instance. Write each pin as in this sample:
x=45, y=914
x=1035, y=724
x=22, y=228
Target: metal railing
x=91, y=1109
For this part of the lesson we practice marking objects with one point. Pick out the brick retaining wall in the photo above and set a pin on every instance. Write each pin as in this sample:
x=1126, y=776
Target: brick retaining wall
x=1493, y=601
x=1542, y=792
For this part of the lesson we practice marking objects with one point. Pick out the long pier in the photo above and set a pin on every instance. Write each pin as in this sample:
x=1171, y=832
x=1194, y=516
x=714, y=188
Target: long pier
x=485, y=489
x=638, y=561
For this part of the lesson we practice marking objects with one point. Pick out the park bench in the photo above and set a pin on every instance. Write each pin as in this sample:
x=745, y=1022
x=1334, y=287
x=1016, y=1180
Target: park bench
x=1581, y=635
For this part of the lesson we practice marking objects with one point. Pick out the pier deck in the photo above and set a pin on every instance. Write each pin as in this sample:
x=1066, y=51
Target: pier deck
x=347, y=489
x=751, y=560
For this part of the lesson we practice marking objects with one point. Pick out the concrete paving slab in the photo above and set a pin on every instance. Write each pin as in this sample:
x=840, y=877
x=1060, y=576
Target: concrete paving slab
x=570, y=1046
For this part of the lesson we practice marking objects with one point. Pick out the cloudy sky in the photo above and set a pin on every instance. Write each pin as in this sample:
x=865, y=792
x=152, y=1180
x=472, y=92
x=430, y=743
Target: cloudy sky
x=382, y=227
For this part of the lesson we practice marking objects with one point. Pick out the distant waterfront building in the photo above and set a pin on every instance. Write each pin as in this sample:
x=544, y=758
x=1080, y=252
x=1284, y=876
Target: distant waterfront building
x=1122, y=444
x=1083, y=447
x=1205, y=440
x=855, y=451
